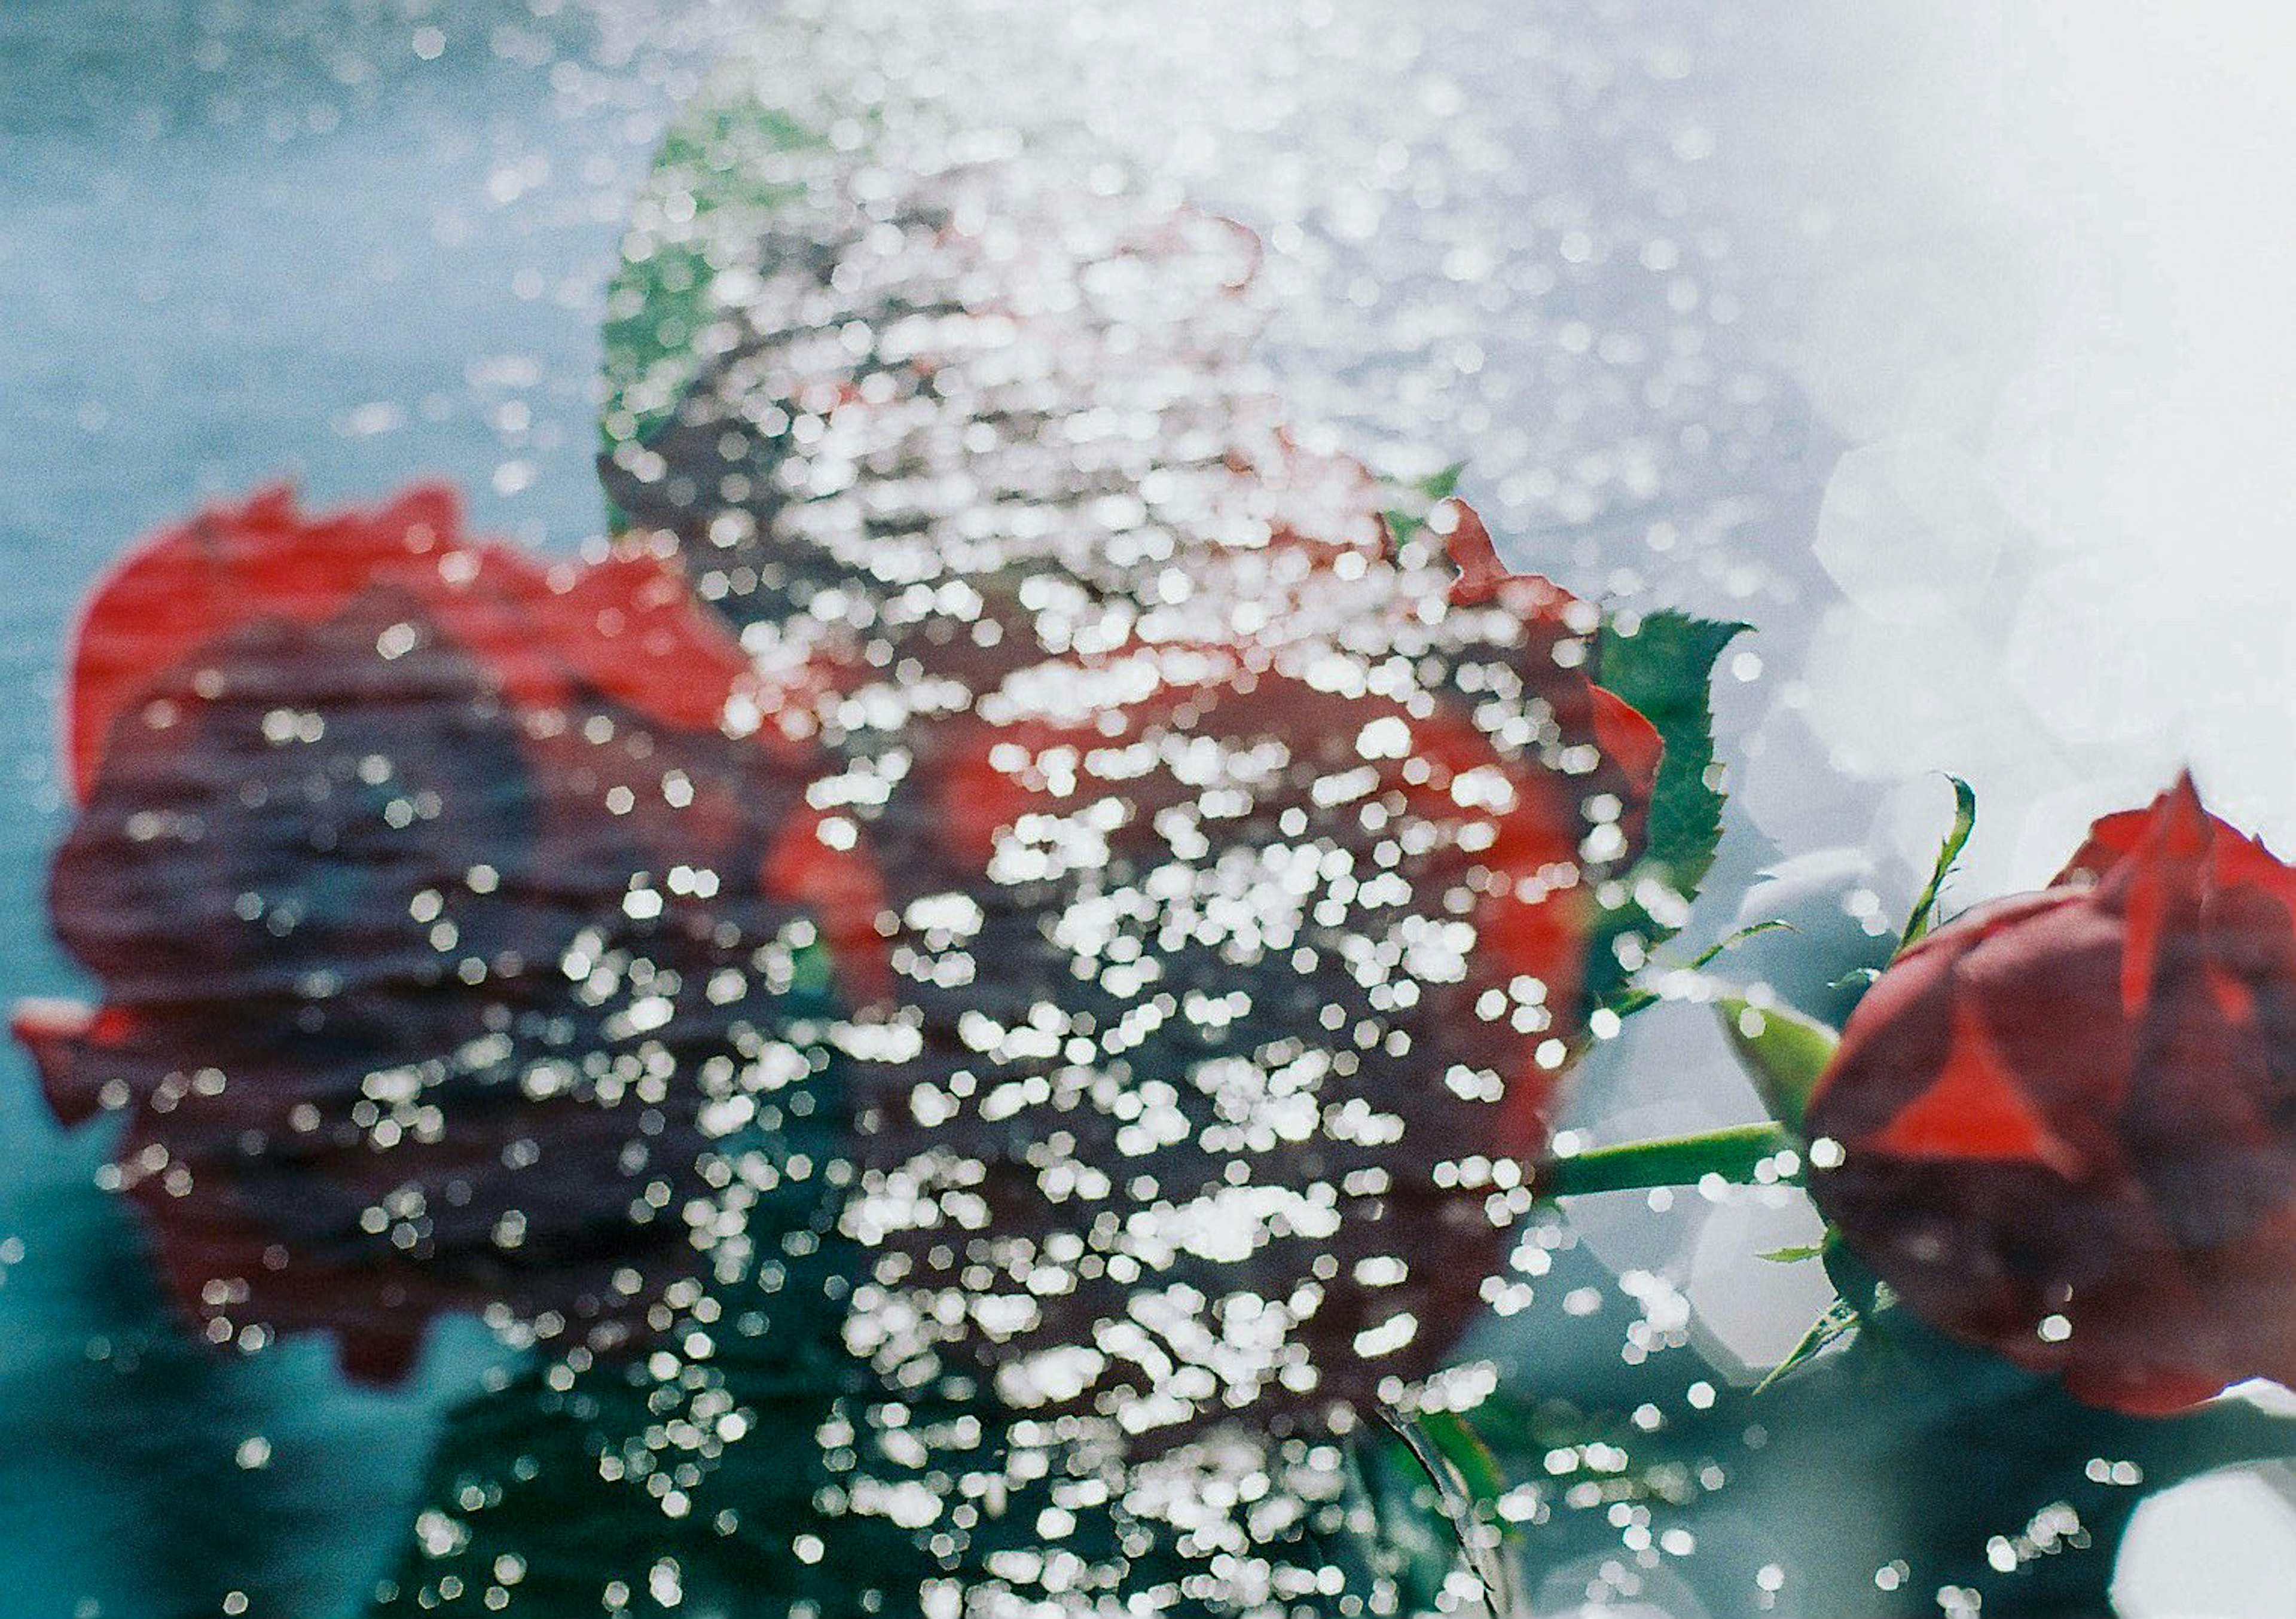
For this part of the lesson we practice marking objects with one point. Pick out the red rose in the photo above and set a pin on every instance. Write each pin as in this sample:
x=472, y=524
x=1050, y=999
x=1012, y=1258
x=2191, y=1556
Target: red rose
x=2068, y=1119
x=1243, y=932
x=1242, y=856
x=425, y=883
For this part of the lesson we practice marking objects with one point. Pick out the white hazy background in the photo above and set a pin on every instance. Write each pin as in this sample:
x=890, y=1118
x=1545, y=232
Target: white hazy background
x=2055, y=316
x=2055, y=312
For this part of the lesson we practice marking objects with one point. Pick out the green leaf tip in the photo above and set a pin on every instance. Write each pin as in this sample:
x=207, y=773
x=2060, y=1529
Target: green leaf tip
x=1924, y=914
x=1795, y=1254
x=1635, y=999
x=1663, y=665
x=1664, y=668
x=1782, y=1053
x=1838, y=1320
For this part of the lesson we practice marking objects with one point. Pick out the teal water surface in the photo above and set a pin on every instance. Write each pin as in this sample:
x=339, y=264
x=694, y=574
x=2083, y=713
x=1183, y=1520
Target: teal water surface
x=348, y=242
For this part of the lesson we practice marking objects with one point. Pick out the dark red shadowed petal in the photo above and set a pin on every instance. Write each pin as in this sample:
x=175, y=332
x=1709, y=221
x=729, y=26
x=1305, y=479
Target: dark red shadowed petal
x=2138, y=1391
x=979, y=800
x=1471, y=551
x=2232, y=996
x=627, y=627
x=1975, y=1110
x=377, y=1357
x=631, y=628
x=54, y=1034
x=228, y=567
x=565, y=731
x=2065, y=1104
x=2234, y=859
x=2169, y=861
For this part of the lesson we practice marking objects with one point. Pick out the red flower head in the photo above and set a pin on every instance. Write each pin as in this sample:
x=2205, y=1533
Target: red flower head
x=424, y=882
x=1242, y=856
x=1243, y=926
x=2068, y=1119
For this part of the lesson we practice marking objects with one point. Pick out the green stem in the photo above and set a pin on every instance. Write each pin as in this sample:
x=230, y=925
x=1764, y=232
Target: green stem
x=1734, y=1154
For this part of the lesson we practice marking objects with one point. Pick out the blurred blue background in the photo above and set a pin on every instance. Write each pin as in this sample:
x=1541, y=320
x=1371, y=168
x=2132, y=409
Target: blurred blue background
x=349, y=243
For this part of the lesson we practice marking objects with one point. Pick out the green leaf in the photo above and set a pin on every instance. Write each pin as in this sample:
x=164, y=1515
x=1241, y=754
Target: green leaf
x=1925, y=908
x=1796, y=1254
x=1419, y=499
x=1458, y=1443
x=1706, y=957
x=1634, y=999
x=1735, y=1154
x=703, y=208
x=1836, y=1320
x=1663, y=666
x=1782, y=1053
x=1438, y=1449
x=1404, y=1501
x=1861, y=1299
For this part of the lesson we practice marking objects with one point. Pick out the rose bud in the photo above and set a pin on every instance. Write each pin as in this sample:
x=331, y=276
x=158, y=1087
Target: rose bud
x=425, y=884
x=2066, y=1121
